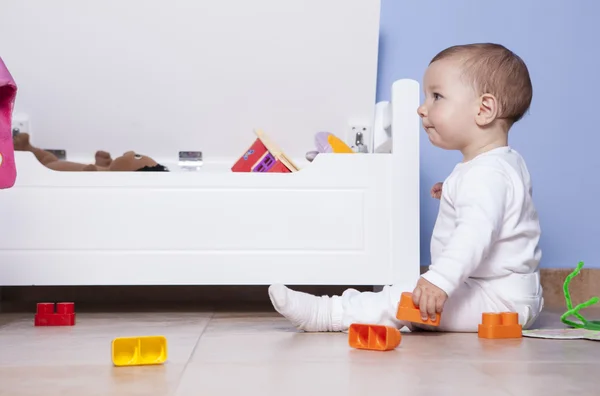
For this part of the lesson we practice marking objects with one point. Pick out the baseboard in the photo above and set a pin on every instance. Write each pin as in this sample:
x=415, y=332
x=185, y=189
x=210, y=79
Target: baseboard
x=99, y=298
x=583, y=287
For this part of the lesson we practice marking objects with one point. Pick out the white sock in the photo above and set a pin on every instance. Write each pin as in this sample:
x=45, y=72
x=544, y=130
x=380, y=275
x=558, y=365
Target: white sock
x=305, y=311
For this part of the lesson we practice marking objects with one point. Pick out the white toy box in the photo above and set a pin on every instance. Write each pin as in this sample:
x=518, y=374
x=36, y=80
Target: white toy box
x=188, y=76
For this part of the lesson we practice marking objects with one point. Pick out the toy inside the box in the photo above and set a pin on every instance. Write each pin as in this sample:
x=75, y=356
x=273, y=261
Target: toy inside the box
x=128, y=162
x=265, y=156
x=8, y=92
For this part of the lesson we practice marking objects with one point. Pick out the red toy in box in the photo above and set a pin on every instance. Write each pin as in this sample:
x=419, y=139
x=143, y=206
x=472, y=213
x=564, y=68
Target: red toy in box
x=264, y=156
x=249, y=161
x=279, y=168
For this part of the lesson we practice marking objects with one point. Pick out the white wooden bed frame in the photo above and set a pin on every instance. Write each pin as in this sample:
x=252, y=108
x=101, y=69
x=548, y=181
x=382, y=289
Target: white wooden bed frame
x=344, y=219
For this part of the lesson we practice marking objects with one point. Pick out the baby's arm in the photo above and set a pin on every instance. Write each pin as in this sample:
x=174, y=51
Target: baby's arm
x=480, y=203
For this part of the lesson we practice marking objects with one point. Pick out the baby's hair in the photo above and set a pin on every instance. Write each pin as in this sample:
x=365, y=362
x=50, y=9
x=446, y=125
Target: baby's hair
x=494, y=69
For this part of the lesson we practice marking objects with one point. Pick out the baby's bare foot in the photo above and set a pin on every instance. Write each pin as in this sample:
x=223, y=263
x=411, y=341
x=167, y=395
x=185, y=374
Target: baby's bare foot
x=103, y=159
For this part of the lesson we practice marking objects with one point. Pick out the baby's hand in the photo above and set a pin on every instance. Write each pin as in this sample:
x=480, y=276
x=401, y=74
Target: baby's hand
x=429, y=298
x=436, y=190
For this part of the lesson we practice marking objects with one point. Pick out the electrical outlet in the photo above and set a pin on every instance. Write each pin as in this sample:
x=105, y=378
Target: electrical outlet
x=359, y=137
x=20, y=123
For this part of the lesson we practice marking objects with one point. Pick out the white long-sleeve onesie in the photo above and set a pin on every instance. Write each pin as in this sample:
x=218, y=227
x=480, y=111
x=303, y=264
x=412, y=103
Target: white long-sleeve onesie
x=484, y=250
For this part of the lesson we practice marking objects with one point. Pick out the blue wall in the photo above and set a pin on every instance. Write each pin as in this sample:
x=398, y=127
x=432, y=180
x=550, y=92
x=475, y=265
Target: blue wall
x=559, y=138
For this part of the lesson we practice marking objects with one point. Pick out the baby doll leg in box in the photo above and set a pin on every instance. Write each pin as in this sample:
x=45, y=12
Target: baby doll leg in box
x=22, y=142
x=103, y=159
x=67, y=166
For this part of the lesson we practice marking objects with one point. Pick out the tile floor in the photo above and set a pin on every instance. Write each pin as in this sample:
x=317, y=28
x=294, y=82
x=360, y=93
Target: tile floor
x=259, y=353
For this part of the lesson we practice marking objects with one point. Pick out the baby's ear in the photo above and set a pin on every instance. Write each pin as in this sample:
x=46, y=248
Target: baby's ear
x=487, y=111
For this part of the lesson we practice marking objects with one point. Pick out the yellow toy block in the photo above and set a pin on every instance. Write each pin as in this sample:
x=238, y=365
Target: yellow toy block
x=138, y=351
x=338, y=146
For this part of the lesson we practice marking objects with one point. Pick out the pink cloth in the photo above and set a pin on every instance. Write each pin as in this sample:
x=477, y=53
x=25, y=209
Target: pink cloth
x=8, y=92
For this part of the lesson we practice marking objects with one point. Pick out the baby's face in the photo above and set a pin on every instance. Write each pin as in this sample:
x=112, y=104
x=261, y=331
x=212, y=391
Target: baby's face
x=450, y=106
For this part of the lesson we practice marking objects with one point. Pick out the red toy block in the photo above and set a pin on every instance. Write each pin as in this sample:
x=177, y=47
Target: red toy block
x=408, y=312
x=373, y=337
x=64, y=315
x=264, y=156
x=279, y=167
x=500, y=325
x=251, y=157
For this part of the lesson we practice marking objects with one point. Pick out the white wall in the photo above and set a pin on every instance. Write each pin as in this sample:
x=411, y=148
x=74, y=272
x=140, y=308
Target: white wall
x=159, y=76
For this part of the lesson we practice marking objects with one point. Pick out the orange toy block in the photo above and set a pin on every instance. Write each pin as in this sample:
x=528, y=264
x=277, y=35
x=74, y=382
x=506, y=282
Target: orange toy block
x=500, y=325
x=373, y=337
x=408, y=312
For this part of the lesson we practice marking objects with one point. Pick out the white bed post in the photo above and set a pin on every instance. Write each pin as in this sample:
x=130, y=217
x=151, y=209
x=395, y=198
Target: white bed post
x=405, y=180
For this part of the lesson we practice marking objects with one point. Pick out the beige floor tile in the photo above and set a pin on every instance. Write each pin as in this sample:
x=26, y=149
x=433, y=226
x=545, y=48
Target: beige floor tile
x=268, y=356
x=89, y=380
x=89, y=341
x=470, y=348
x=262, y=353
x=270, y=347
x=338, y=377
x=77, y=360
x=103, y=323
x=248, y=323
x=289, y=346
x=544, y=378
x=6, y=319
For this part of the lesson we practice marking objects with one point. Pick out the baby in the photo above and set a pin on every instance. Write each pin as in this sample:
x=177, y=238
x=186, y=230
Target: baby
x=484, y=248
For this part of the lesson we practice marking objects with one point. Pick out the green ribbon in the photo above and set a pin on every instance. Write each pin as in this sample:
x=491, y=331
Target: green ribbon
x=585, y=324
